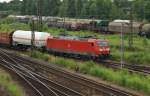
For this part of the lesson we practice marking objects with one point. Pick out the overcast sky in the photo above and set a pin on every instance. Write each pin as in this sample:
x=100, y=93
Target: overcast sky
x=5, y=0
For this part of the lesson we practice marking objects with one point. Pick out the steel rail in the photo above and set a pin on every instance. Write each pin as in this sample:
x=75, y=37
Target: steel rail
x=79, y=78
x=67, y=89
x=33, y=77
x=144, y=70
x=29, y=77
x=54, y=84
x=29, y=83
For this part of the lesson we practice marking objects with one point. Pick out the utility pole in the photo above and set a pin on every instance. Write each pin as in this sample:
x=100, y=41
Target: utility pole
x=32, y=25
x=64, y=25
x=39, y=15
x=131, y=29
x=65, y=20
x=122, y=46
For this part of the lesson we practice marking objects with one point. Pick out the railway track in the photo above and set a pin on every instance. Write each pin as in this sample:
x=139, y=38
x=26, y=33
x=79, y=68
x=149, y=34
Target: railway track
x=41, y=85
x=133, y=68
x=144, y=70
x=82, y=86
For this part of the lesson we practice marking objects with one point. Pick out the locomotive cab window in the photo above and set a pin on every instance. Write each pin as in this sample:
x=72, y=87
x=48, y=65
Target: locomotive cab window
x=102, y=43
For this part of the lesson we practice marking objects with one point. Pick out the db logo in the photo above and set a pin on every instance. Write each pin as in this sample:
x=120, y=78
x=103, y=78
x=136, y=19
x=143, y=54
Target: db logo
x=69, y=45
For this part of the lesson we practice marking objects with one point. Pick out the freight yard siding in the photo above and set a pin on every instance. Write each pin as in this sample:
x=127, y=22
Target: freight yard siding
x=80, y=84
x=94, y=69
x=53, y=50
x=95, y=25
x=140, y=50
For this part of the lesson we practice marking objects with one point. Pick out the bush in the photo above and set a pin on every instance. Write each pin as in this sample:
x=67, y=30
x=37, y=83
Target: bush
x=40, y=55
x=13, y=27
x=7, y=21
x=123, y=78
x=9, y=85
x=86, y=66
x=70, y=64
x=145, y=42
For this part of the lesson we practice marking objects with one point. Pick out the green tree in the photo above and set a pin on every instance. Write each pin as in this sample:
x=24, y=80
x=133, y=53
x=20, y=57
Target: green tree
x=15, y=5
x=78, y=6
x=122, y=3
x=71, y=10
x=51, y=7
x=92, y=10
x=147, y=10
x=139, y=9
x=3, y=6
x=85, y=9
x=63, y=8
x=29, y=7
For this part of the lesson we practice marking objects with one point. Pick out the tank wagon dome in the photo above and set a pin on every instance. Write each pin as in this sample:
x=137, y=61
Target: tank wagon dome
x=24, y=38
x=146, y=28
x=121, y=21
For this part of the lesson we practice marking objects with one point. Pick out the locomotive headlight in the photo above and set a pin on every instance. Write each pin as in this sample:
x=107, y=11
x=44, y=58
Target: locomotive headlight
x=107, y=49
x=100, y=49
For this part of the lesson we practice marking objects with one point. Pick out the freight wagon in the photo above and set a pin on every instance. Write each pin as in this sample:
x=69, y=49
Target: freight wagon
x=6, y=38
x=117, y=26
x=145, y=31
x=101, y=26
x=72, y=46
x=22, y=39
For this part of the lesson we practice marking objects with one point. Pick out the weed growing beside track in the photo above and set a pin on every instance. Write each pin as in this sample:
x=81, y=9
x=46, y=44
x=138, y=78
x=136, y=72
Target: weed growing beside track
x=122, y=78
x=12, y=88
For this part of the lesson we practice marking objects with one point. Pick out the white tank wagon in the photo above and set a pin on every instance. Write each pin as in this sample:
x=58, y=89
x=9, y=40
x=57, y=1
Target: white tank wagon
x=23, y=39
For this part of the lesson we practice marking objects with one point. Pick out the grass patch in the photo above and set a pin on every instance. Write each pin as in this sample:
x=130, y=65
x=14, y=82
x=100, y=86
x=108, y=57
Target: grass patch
x=11, y=87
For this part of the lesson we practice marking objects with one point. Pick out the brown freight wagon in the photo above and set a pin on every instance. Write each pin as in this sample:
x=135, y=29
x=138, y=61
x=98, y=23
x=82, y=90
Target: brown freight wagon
x=6, y=39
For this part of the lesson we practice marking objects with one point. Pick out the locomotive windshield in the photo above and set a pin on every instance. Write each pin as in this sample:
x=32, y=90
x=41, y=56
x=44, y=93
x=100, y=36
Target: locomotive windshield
x=103, y=43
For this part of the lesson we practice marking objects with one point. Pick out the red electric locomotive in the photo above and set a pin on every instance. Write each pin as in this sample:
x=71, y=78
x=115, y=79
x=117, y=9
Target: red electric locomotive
x=78, y=46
